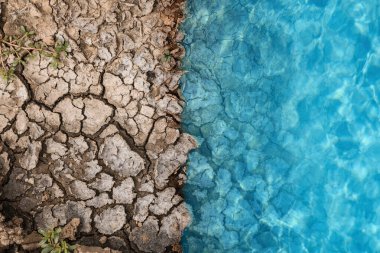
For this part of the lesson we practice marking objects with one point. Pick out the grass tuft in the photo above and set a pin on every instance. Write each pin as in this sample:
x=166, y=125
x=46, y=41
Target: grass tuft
x=14, y=50
x=53, y=243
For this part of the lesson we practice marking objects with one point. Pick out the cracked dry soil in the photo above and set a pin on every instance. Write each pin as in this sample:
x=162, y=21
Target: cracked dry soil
x=98, y=138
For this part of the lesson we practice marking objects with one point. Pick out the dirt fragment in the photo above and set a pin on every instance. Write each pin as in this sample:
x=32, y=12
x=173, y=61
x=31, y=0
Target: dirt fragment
x=70, y=229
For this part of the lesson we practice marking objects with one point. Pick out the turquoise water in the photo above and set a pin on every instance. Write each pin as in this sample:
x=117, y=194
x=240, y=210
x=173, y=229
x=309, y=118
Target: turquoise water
x=283, y=97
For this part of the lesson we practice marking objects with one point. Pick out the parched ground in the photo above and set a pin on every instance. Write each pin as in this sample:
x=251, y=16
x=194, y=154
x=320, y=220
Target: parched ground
x=98, y=138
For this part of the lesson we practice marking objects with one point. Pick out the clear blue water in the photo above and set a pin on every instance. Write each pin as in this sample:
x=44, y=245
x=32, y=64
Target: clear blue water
x=283, y=97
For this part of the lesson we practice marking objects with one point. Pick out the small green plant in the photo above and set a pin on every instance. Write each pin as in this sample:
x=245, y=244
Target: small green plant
x=60, y=49
x=15, y=49
x=53, y=243
x=167, y=56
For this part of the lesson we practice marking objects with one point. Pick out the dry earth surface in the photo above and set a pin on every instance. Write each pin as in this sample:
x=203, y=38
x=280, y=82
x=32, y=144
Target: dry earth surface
x=98, y=138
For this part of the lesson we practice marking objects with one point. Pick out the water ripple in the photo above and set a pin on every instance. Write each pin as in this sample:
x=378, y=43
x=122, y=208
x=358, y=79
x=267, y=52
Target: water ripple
x=283, y=97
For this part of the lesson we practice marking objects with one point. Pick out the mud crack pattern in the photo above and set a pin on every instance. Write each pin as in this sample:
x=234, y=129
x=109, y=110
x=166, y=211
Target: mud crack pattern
x=98, y=138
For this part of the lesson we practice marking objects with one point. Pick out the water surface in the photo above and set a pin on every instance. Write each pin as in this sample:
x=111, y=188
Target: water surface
x=283, y=97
